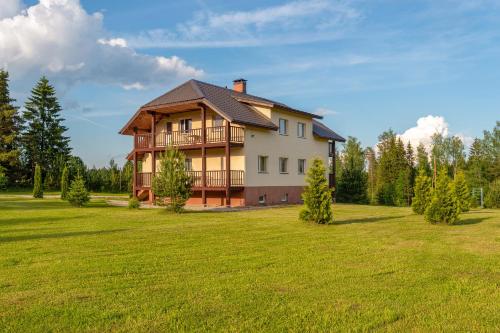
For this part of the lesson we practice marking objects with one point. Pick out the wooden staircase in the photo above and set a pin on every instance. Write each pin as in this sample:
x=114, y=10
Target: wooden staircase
x=143, y=195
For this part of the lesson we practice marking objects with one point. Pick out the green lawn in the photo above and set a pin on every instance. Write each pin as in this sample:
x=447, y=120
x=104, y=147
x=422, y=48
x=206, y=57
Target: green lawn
x=112, y=269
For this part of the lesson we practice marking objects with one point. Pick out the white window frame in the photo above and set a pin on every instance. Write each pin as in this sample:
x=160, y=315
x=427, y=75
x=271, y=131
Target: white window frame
x=285, y=160
x=188, y=164
x=183, y=123
x=299, y=127
x=260, y=169
x=283, y=130
x=303, y=162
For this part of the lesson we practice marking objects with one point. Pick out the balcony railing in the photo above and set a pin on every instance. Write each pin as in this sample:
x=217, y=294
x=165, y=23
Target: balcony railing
x=218, y=178
x=190, y=137
x=143, y=179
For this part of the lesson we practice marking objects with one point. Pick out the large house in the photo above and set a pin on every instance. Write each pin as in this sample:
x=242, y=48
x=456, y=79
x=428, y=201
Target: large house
x=240, y=149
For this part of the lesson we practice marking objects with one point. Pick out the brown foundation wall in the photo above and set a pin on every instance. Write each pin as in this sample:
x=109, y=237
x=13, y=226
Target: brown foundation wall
x=274, y=195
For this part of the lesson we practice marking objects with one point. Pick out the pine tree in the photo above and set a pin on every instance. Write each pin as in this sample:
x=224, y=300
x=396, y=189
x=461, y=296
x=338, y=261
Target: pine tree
x=78, y=194
x=64, y=183
x=10, y=127
x=462, y=192
x=37, y=183
x=351, y=185
x=172, y=182
x=44, y=140
x=423, y=159
x=423, y=192
x=317, y=196
x=443, y=207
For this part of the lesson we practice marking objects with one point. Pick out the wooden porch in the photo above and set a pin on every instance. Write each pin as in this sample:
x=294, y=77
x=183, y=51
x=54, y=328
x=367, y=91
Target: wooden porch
x=214, y=179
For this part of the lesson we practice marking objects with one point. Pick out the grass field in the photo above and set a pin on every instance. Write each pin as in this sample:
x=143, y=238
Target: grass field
x=112, y=269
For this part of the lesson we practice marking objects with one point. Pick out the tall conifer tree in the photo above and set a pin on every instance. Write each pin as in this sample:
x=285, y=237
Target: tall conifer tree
x=44, y=140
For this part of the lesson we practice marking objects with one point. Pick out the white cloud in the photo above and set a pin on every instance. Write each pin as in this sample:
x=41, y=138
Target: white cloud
x=294, y=22
x=10, y=8
x=325, y=112
x=60, y=39
x=425, y=129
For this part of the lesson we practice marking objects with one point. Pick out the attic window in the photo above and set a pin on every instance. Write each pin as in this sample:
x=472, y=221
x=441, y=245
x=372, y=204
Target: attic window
x=283, y=126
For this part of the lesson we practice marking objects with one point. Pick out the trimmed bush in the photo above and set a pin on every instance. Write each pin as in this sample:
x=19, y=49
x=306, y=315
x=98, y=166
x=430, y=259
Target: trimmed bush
x=78, y=194
x=64, y=184
x=444, y=206
x=317, y=196
x=134, y=203
x=37, y=183
x=462, y=192
x=423, y=192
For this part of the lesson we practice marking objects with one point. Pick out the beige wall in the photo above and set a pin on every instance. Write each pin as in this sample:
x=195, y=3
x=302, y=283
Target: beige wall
x=272, y=144
x=175, y=118
x=258, y=141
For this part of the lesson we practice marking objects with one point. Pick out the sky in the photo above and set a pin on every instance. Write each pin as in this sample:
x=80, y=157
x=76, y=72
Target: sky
x=416, y=67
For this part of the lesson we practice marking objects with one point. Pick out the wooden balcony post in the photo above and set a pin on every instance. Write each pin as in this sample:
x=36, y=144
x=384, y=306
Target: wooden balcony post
x=228, y=163
x=135, y=173
x=153, y=152
x=203, y=155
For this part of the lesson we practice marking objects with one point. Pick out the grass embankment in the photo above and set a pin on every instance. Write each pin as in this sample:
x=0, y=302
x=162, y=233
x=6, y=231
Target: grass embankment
x=112, y=269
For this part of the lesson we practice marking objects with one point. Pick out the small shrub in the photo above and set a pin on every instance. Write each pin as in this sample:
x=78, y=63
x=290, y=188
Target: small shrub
x=492, y=199
x=64, y=184
x=3, y=179
x=444, y=207
x=134, y=203
x=37, y=183
x=317, y=196
x=78, y=194
x=462, y=192
x=423, y=192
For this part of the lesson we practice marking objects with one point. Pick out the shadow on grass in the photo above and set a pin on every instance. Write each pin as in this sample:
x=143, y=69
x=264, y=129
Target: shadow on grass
x=46, y=204
x=368, y=219
x=39, y=219
x=58, y=235
x=471, y=221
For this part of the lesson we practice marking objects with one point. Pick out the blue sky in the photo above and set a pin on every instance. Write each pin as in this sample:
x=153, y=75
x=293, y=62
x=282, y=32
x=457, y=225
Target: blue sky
x=366, y=65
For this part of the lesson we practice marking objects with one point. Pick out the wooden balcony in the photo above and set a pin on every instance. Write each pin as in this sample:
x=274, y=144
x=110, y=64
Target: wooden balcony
x=214, y=179
x=190, y=138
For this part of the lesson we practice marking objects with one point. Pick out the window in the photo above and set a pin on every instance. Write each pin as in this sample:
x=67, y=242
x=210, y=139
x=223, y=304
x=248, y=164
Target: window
x=188, y=164
x=262, y=199
x=283, y=165
x=284, y=198
x=217, y=121
x=302, y=166
x=301, y=130
x=262, y=167
x=283, y=126
x=330, y=148
x=186, y=125
x=168, y=127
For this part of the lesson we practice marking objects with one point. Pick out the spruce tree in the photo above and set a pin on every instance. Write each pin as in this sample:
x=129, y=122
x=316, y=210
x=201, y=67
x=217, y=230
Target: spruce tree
x=172, y=182
x=423, y=192
x=78, y=194
x=44, y=140
x=423, y=159
x=351, y=186
x=443, y=207
x=462, y=192
x=64, y=183
x=317, y=196
x=37, y=183
x=10, y=127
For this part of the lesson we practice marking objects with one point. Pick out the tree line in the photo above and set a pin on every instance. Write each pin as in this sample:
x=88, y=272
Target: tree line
x=37, y=137
x=388, y=174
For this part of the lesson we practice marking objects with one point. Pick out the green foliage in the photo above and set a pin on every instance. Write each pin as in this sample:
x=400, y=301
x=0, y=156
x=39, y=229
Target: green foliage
x=172, y=183
x=423, y=160
x=423, y=192
x=351, y=184
x=317, y=196
x=78, y=194
x=462, y=192
x=371, y=175
x=37, y=183
x=3, y=179
x=443, y=207
x=10, y=127
x=44, y=140
x=64, y=183
x=134, y=203
x=492, y=198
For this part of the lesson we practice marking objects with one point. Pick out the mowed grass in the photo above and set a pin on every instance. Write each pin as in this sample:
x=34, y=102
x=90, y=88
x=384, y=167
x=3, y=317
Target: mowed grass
x=105, y=268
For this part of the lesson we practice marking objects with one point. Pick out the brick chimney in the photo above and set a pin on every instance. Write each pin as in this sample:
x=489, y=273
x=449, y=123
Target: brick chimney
x=240, y=85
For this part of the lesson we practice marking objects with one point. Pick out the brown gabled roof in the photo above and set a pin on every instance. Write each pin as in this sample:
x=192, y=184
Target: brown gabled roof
x=233, y=105
x=320, y=129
